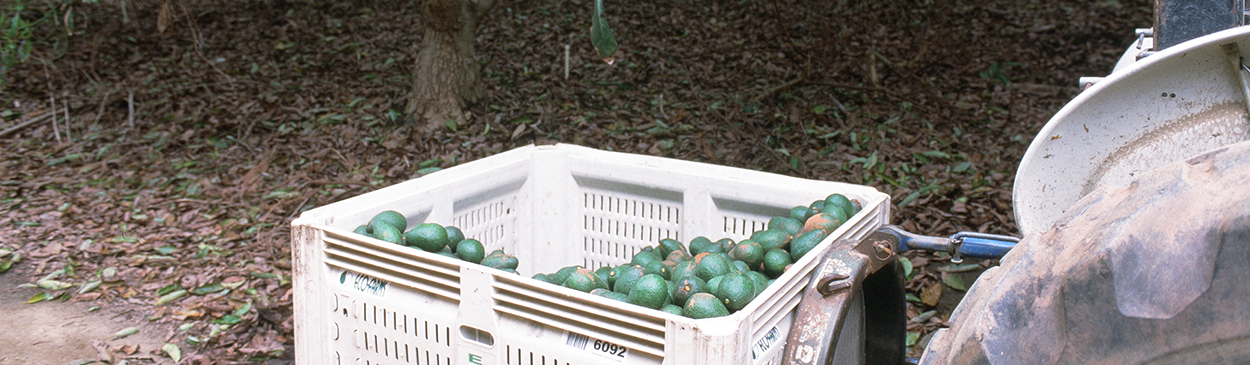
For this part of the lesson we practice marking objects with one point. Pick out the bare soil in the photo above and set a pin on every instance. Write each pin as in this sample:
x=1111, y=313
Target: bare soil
x=73, y=332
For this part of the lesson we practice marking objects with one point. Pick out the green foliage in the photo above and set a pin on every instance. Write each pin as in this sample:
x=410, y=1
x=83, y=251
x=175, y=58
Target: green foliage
x=22, y=28
x=997, y=72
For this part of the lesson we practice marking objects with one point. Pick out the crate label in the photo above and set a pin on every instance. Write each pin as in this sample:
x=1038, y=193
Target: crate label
x=761, y=347
x=596, y=346
x=363, y=283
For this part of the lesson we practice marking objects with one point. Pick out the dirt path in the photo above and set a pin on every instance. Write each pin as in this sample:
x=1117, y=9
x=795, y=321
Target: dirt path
x=53, y=332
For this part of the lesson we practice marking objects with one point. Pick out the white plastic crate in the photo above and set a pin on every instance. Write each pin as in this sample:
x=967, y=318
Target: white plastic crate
x=360, y=300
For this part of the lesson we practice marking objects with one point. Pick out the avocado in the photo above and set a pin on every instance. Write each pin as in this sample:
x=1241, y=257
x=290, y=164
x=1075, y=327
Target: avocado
x=626, y=276
x=386, y=232
x=583, y=279
x=805, y=242
x=735, y=290
x=470, y=250
x=395, y=219
x=789, y=225
x=649, y=291
x=749, y=252
x=704, y=305
x=713, y=265
x=775, y=261
x=426, y=236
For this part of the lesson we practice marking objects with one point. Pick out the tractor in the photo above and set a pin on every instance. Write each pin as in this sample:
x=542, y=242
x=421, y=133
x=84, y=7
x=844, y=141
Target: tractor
x=1134, y=206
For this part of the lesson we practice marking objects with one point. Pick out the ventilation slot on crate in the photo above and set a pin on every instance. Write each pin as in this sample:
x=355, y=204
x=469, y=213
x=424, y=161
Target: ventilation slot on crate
x=741, y=218
x=519, y=356
x=604, y=248
x=398, y=336
x=616, y=228
x=487, y=223
x=379, y=344
x=743, y=226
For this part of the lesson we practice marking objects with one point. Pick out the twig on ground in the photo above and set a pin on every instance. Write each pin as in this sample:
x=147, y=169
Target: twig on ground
x=55, y=131
x=65, y=104
x=779, y=88
x=27, y=123
x=130, y=100
x=199, y=45
x=100, y=111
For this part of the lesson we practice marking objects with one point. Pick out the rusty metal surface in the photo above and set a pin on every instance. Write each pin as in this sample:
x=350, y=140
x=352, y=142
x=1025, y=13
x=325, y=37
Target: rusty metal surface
x=833, y=301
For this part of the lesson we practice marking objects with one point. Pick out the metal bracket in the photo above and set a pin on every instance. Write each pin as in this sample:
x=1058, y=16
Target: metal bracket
x=1234, y=58
x=825, y=304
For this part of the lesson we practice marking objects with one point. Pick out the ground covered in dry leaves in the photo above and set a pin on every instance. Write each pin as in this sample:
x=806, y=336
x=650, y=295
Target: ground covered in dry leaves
x=187, y=152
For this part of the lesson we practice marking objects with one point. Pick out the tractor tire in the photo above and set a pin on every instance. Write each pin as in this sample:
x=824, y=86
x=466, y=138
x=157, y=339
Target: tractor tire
x=1157, y=272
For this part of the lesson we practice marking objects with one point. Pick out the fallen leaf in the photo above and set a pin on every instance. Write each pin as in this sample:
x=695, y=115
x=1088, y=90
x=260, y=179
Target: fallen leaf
x=954, y=282
x=228, y=319
x=520, y=129
x=262, y=344
x=959, y=268
x=173, y=351
x=922, y=317
x=38, y=297
x=89, y=286
x=102, y=352
x=907, y=269
x=208, y=289
x=54, y=284
x=172, y=296
x=931, y=294
x=126, y=332
x=130, y=349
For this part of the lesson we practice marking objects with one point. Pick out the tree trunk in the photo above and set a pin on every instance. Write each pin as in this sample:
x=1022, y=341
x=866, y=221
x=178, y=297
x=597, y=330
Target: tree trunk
x=446, y=76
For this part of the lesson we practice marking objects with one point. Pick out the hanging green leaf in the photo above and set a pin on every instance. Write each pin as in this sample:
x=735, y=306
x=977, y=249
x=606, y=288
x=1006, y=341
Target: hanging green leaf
x=601, y=35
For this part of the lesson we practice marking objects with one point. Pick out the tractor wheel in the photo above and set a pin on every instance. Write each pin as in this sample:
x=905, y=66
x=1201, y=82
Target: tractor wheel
x=1157, y=272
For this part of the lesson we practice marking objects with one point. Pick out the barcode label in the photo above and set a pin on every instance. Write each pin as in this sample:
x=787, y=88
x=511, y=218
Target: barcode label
x=596, y=346
x=761, y=347
x=576, y=340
